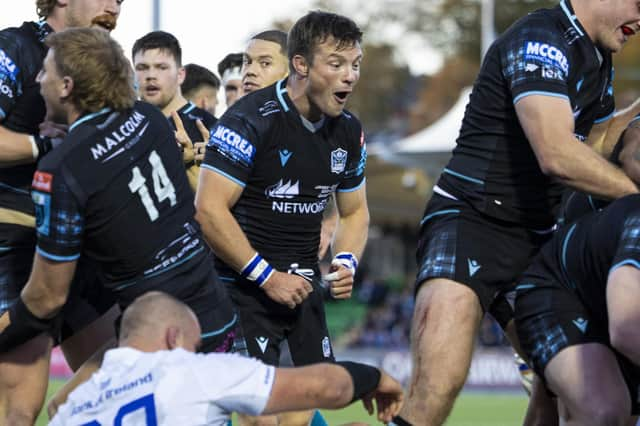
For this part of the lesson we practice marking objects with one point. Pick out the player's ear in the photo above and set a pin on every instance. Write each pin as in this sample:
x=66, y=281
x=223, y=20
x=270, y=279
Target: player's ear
x=181, y=75
x=67, y=87
x=300, y=65
x=173, y=337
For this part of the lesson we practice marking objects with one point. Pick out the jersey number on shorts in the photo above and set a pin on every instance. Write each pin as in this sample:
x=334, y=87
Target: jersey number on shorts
x=145, y=403
x=162, y=186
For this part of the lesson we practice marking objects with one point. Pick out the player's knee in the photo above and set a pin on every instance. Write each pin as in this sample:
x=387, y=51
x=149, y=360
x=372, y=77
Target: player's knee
x=606, y=412
x=20, y=417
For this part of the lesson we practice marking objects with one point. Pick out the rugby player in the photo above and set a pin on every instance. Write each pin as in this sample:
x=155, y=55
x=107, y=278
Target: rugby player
x=25, y=135
x=273, y=161
x=155, y=376
x=114, y=192
x=577, y=312
x=200, y=86
x=157, y=59
x=229, y=69
x=544, y=86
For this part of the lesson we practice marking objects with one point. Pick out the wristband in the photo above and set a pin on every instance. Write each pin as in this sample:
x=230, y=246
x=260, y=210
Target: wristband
x=257, y=270
x=24, y=326
x=365, y=378
x=40, y=145
x=346, y=259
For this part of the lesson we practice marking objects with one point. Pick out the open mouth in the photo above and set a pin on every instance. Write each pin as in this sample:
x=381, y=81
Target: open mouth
x=108, y=22
x=151, y=90
x=628, y=31
x=341, y=97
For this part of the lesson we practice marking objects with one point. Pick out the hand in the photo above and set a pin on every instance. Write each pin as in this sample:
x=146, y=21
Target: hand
x=200, y=147
x=287, y=289
x=340, y=280
x=183, y=139
x=388, y=396
x=53, y=405
x=53, y=130
x=5, y=321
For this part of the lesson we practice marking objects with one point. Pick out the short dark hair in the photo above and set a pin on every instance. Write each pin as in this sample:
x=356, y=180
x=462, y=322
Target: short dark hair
x=158, y=40
x=197, y=76
x=45, y=8
x=102, y=75
x=315, y=28
x=274, y=36
x=230, y=61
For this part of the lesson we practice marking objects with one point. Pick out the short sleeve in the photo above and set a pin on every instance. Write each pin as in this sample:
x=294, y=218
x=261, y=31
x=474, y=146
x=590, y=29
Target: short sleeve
x=59, y=218
x=244, y=386
x=535, y=60
x=354, y=176
x=232, y=147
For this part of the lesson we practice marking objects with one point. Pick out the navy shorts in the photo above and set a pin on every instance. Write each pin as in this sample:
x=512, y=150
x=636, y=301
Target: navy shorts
x=266, y=324
x=550, y=318
x=487, y=255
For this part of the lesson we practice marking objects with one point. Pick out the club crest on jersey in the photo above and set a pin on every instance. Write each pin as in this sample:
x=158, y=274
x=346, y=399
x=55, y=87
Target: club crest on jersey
x=547, y=54
x=326, y=347
x=338, y=160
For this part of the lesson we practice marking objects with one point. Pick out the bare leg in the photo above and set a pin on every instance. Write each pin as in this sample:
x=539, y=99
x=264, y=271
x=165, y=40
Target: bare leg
x=445, y=323
x=589, y=385
x=24, y=375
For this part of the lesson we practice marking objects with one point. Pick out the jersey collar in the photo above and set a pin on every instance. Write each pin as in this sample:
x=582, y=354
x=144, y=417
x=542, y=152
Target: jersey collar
x=88, y=117
x=43, y=30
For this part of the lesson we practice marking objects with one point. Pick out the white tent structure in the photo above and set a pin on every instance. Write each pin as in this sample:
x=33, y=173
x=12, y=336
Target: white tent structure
x=430, y=148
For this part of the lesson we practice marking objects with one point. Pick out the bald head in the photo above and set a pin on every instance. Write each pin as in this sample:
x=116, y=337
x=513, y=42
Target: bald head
x=157, y=321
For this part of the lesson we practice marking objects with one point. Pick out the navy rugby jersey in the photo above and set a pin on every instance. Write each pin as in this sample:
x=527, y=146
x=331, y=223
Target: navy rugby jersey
x=288, y=172
x=581, y=256
x=115, y=191
x=22, y=109
x=493, y=166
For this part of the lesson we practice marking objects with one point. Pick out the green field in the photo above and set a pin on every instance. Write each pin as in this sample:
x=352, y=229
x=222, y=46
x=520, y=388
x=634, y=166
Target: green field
x=472, y=409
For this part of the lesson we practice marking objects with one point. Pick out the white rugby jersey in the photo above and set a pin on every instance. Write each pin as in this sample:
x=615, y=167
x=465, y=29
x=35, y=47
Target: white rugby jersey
x=168, y=388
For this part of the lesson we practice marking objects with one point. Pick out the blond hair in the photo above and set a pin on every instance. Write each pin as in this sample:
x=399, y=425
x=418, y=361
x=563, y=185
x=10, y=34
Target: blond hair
x=102, y=75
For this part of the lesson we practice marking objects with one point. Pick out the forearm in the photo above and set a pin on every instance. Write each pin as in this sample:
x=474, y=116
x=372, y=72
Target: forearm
x=351, y=235
x=15, y=148
x=616, y=126
x=224, y=235
x=578, y=166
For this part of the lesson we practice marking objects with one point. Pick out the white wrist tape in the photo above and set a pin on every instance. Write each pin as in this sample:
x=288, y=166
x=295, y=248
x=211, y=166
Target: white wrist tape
x=257, y=270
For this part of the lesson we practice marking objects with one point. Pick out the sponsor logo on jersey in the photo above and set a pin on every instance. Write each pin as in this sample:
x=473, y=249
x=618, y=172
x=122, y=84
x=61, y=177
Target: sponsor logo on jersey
x=326, y=347
x=338, y=160
x=42, y=181
x=123, y=133
x=326, y=190
x=268, y=108
x=262, y=343
x=7, y=66
x=530, y=67
x=474, y=267
x=5, y=90
x=283, y=189
x=287, y=190
x=42, y=204
x=285, y=154
x=232, y=145
x=547, y=54
x=551, y=73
